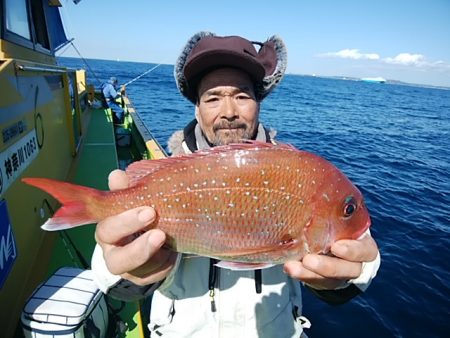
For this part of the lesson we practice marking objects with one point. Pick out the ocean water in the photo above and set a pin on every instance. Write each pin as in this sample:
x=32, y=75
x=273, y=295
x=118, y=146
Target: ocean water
x=393, y=141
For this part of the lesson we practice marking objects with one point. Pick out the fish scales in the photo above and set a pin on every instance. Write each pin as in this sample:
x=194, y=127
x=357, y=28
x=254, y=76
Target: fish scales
x=219, y=205
x=253, y=202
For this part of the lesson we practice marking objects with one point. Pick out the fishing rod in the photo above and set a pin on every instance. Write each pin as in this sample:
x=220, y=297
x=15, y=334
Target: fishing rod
x=144, y=73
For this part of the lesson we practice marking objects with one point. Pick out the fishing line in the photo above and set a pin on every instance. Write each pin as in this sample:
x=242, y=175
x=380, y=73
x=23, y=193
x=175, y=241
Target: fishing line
x=144, y=73
x=85, y=62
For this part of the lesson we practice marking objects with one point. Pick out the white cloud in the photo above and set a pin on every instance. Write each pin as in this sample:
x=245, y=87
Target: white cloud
x=407, y=59
x=354, y=54
x=402, y=59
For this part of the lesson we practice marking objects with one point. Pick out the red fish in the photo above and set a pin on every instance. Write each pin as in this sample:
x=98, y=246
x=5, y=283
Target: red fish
x=253, y=202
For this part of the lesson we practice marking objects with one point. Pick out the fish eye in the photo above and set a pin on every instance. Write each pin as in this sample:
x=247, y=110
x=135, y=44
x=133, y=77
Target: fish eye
x=350, y=206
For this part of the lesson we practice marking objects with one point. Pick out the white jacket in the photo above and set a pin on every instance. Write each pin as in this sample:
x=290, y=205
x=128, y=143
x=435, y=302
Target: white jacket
x=181, y=306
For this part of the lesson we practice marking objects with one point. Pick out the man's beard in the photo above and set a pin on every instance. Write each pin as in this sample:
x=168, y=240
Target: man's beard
x=230, y=132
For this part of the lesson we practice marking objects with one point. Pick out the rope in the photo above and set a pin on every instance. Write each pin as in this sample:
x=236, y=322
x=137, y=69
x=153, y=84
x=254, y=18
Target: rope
x=85, y=62
x=144, y=73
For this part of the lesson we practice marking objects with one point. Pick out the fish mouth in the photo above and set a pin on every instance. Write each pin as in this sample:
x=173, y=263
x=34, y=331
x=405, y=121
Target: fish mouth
x=360, y=233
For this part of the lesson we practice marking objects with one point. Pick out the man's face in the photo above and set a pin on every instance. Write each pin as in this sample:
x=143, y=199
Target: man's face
x=227, y=110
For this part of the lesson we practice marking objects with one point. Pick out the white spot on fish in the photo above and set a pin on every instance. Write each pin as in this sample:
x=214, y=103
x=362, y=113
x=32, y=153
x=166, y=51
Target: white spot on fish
x=325, y=196
x=238, y=180
x=266, y=182
x=262, y=172
x=313, y=182
x=196, y=170
x=216, y=198
x=231, y=205
x=247, y=193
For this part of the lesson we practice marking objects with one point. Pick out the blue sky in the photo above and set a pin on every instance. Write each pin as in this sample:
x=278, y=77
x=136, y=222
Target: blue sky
x=406, y=40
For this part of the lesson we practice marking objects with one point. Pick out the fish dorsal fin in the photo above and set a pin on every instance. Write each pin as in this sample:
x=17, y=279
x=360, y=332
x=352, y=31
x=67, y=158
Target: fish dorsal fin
x=138, y=170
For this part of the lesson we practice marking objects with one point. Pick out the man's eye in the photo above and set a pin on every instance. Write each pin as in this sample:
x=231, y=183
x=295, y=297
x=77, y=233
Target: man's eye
x=242, y=97
x=212, y=99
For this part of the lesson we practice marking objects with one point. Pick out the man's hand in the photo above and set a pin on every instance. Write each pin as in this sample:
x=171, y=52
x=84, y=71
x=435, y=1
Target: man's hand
x=122, y=90
x=128, y=248
x=331, y=272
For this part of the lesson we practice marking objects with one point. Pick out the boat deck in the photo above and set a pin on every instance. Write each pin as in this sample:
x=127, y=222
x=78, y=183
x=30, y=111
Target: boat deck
x=97, y=158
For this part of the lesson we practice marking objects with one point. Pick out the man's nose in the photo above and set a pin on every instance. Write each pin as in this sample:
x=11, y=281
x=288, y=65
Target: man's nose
x=229, y=107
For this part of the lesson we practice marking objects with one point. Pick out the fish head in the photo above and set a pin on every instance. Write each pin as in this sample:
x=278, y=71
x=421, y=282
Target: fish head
x=339, y=212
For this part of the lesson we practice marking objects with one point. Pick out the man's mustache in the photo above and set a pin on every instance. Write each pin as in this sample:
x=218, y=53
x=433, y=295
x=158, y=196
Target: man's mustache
x=229, y=125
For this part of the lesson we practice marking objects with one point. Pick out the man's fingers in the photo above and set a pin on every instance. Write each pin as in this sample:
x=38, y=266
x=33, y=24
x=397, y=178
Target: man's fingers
x=332, y=267
x=362, y=250
x=113, y=229
x=121, y=259
x=298, y=271
x=117, y=180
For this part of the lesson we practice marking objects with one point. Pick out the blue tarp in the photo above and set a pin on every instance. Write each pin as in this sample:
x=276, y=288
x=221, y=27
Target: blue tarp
x=55, y=27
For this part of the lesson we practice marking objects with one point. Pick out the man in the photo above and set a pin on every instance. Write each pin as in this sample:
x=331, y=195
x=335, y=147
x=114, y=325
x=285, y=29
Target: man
x=226, y=79
x=110, y=94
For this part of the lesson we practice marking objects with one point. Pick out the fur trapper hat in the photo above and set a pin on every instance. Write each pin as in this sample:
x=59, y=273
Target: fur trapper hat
x=205, y=52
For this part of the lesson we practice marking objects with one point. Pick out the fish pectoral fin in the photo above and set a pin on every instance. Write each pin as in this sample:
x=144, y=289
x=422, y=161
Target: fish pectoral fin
x=239, y=266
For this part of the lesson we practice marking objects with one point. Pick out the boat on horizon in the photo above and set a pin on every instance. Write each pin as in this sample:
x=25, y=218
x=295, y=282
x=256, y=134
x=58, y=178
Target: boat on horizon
x=378, y=79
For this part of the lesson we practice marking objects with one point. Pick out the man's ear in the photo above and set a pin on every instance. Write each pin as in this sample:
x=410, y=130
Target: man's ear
x=197, y=113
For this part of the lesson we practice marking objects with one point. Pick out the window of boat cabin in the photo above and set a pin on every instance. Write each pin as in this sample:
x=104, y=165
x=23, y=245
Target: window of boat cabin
x=17, y=20
x=25, y=24
x=40, y=28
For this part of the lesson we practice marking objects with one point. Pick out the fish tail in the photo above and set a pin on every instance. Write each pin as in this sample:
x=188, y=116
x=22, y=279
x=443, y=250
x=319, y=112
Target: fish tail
x=75, y=200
